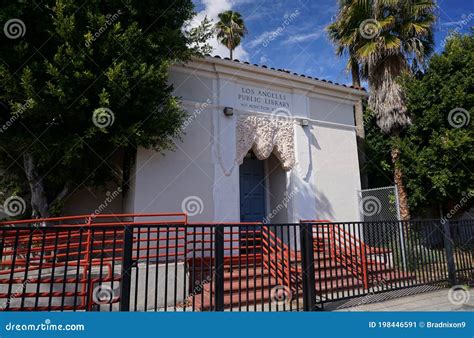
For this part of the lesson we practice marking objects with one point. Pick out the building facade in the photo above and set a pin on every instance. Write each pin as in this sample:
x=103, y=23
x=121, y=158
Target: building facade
x=259, y=144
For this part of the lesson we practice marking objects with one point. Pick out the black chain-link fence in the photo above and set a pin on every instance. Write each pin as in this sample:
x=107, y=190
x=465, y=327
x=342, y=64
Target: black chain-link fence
x=380, y=204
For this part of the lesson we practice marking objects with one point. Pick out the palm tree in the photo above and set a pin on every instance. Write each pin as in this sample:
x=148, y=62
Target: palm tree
x=344, y=32
x=392, y=37
x=230, y=29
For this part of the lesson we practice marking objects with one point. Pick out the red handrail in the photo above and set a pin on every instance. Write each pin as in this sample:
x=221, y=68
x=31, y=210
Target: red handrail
x=19, y=253
x=278, y=262
x=349, y=249
x=89, y=218
x=346, y=256
x=81, y=243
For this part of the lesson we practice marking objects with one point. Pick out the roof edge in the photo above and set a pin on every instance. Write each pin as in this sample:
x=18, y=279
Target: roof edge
x=361, y=91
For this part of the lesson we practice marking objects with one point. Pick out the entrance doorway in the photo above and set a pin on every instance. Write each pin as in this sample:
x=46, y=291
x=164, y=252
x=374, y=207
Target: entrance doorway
x=252, y=189
x=252, y=202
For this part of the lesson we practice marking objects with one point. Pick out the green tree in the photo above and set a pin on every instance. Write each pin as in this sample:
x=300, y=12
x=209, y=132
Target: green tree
x=344, y=33
x=378, y=148
x=438, y=149
x=83, y=87
x=396, y=36
x=230, y=29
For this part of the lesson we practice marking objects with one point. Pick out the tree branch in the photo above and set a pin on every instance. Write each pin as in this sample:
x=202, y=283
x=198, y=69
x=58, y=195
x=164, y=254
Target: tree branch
x=61, y=195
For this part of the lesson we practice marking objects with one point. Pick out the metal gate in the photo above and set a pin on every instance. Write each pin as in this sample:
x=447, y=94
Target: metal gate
x=380, y=205
x=160, y=263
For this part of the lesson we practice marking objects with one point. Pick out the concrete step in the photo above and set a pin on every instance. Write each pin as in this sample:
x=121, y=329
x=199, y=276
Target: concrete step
x=235, y=261
x=337, y=273
x=338, y=285
x=235, y=274
x=390, y=276
x=258, y=297
x=245, y=285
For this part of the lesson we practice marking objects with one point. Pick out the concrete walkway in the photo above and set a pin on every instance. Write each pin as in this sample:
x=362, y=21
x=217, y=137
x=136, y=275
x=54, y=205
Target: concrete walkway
x=430, y=301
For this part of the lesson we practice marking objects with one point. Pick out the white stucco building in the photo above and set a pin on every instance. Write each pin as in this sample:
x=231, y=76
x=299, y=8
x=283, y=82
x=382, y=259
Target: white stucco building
x=259, y=144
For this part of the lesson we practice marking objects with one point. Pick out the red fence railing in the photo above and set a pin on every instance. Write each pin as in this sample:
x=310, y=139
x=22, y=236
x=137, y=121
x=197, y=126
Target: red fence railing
x=348, y=250
x=279, y=259
x=28, y=248
x=163, y=262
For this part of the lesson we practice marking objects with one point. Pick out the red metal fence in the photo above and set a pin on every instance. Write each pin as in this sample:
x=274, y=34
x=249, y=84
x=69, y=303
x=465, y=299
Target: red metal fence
x=161, y=262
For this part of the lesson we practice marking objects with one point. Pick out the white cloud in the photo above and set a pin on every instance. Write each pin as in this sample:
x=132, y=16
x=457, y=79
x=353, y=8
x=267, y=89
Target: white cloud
x=452, y=23
x=263, y=60
x=261, y=38
x=303, y=37
x=211, y=9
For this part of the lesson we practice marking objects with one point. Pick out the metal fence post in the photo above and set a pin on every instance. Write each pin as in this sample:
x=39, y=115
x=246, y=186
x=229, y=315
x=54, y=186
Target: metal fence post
x=448, y=246
x=307, y=257
x=402, y=226
x=397, y=203
x=219, y=268
x=127, y=264
x=1, y=244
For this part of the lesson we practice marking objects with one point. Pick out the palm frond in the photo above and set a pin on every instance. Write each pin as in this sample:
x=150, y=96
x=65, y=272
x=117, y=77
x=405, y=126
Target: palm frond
x=230, y=29
x=404, y=35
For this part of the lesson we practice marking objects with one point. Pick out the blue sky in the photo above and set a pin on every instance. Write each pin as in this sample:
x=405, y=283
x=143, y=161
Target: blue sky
x=301, y=44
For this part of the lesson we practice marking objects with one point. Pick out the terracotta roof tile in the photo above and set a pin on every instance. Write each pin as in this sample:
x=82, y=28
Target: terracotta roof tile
x=287, y=71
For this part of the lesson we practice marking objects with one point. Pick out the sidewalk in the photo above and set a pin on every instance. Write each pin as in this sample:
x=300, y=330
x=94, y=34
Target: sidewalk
x=430, y=301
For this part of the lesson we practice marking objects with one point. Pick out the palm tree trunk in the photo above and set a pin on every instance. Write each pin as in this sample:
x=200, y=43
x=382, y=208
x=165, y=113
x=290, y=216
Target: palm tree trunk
x=359, y=122
x=398, y=178
x=230, y=49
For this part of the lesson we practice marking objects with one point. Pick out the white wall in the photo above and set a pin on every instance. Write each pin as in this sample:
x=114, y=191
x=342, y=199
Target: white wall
x=163, y=182
x=191, y=86
x=277, y=191
x=336, y=173
x=335, y=111
x=202, y=166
